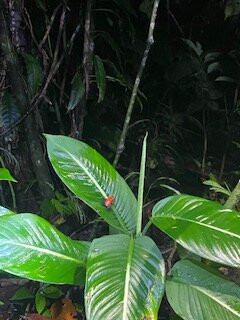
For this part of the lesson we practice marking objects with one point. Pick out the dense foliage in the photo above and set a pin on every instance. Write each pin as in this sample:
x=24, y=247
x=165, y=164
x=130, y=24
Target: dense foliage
x=69, y=68
x=125, y=273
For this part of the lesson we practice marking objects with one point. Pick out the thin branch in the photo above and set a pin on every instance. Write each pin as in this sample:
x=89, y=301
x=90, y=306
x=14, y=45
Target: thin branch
x=28, y=22
x=78, y=114
x=62, y=20
x=176, y=22
x=49, y=26
x=149, y=42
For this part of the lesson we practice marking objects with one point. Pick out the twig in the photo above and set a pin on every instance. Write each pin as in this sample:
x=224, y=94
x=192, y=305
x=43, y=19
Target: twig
x=49, y=26
x=30, y=27
x=176, y=22
x=150, y=41
x=61, y=24
x=78, y=114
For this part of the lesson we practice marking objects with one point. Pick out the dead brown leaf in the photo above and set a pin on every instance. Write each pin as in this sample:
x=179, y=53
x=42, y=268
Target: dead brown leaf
x=63, y=310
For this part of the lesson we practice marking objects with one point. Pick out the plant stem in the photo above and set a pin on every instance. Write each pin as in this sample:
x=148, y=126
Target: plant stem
x=150, y=41
x=234, y=198
x=14, y=203
x=141, y=187
x=147, y=226
x=13, y=196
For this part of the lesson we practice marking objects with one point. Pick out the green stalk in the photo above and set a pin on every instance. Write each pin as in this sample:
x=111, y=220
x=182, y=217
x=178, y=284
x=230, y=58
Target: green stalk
x=146, y=228
x=141, y=187
x=14, y=203
x=149, y=43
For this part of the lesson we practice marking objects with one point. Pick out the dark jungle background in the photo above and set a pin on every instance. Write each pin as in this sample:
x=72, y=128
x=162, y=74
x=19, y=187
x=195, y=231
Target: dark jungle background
x=68, y=67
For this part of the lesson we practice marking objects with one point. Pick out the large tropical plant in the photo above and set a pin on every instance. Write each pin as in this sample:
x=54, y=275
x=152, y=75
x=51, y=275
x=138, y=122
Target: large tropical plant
x=124, y=273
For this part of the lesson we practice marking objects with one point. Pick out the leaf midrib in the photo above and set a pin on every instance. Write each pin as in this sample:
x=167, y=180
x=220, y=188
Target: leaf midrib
x=118, y=216
x=207, y=293
x=127, y=278
x=199, y=223
x=46, y=251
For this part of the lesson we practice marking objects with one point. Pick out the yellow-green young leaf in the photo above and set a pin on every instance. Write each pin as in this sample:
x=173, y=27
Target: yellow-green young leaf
x=100, y=77
x=197, y=293
x=125, y=279
x=6, y=175
x=77, y=92
x=30, y=247
x=201, y=226
x=93, y=179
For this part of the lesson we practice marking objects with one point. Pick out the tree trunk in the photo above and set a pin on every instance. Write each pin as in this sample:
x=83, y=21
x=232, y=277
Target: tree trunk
x=9, y=48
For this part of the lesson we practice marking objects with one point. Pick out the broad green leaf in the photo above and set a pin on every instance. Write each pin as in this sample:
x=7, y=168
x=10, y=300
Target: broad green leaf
x=31, y=247
x=34, y=74
x=201, y=226
x=40, y=302
x=1, y=303
x=90, y=177
x=125, y=279
x=100, y=77
x=77, y=92
x=195, y=293
x=22, y=293
x=52, y=292
x=6, y=175
x=5, y=211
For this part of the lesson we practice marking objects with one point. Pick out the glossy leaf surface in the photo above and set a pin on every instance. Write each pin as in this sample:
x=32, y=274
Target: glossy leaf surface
x=125, y=279
x=195, y=293
x=5, y=175
x=31, y=247
x=201, y=226
x=90, y=177
x=5, y=211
